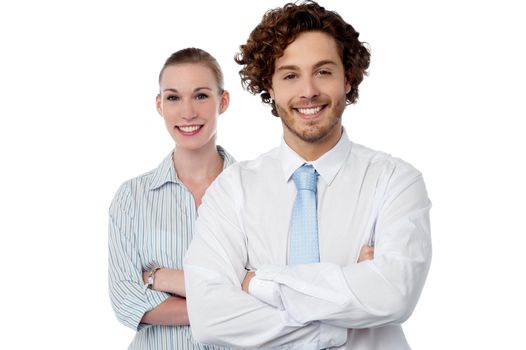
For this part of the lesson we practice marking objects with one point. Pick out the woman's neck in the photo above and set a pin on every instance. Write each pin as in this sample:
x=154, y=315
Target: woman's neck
x=198, y=166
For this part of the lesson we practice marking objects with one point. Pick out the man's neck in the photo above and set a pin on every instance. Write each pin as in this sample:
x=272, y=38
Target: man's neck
x=310, y=151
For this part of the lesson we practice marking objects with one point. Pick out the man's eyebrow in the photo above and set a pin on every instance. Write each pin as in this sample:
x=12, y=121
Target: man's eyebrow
x=325, y=62
x=317, y=65
x=287, y=67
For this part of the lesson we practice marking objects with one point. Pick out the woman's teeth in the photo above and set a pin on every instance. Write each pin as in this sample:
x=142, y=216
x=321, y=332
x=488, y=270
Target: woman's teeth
x=191, y=128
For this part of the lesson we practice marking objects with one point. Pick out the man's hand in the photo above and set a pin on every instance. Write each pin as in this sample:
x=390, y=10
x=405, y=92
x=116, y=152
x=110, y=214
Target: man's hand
x=366, y=253
x=246, y=280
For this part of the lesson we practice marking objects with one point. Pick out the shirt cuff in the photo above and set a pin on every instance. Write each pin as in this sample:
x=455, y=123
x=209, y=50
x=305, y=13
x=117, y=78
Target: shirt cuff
x=266, y=291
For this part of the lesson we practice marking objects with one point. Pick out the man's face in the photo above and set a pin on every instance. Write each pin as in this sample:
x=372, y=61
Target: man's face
x=309, y=88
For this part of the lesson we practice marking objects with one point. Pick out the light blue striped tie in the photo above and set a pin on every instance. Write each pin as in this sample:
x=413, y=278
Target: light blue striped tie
x=303, y=235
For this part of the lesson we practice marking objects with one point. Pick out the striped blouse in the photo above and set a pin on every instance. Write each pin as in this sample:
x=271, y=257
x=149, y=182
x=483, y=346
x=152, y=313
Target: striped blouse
x=151, y=224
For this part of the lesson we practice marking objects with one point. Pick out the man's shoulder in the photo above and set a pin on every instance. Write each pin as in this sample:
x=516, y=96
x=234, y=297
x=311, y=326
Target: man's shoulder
x=380, y=159
x=245, y=167
x=236, y=176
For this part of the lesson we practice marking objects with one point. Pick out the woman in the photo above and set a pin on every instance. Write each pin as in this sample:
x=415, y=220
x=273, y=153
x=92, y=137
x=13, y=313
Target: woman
x=152, y=216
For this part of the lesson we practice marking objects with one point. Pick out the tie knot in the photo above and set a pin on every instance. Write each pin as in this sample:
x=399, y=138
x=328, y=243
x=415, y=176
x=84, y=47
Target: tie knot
x=305, y=178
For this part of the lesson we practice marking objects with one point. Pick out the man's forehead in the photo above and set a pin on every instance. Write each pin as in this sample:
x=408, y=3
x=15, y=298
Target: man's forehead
x=308, y=50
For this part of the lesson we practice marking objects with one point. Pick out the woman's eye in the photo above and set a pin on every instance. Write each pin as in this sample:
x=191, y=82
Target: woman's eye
x=201, y=96
x=172, y=98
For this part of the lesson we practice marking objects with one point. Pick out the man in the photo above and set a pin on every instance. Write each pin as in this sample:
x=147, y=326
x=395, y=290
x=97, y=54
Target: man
x=300, y=214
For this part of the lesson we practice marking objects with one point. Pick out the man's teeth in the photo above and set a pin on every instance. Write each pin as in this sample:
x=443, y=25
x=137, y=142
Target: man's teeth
x=189, y=128
x=309, y=111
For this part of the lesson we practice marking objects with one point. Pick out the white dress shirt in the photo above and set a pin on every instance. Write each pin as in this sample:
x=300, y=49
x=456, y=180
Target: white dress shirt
x=364, y=197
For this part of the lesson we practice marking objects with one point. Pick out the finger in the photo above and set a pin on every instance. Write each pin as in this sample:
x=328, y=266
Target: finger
x=366, y=249
x=366, y=253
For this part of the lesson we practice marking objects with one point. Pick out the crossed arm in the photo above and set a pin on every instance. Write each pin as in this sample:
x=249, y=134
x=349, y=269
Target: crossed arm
x=311, y=301
x=366, y=253
x=135, y=305
x=173, y=310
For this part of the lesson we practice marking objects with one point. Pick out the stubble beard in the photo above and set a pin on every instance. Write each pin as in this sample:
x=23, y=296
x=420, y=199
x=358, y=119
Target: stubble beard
x=313, y=132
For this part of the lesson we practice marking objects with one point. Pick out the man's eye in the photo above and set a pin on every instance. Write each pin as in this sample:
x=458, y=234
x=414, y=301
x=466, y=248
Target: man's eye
x=289, y=76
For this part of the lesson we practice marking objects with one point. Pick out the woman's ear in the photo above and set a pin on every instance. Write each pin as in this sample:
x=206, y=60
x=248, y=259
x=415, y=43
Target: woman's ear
x=224, y=101
x=158, y=104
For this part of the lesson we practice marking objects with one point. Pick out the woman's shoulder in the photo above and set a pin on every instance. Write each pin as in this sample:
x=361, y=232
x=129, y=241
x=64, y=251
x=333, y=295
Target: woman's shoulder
x=136, y=187
x=227, y=157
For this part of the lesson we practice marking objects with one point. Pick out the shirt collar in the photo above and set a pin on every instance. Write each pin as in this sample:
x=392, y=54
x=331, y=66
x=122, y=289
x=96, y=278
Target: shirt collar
x=165, y=172
x=327, y=165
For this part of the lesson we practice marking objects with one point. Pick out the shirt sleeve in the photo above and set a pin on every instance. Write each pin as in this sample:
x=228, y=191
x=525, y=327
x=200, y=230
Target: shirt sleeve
x=220, y=311
x=368, y=294
x=129, y=297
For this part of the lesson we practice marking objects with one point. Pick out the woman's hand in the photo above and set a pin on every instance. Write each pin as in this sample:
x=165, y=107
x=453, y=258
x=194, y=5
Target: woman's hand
x=167, y=280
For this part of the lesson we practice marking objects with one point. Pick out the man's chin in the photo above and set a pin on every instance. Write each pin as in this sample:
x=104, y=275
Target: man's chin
x=311, y=136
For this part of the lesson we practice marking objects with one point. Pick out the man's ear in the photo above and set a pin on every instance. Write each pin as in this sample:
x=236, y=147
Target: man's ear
x=348, y=85
x=271, y=93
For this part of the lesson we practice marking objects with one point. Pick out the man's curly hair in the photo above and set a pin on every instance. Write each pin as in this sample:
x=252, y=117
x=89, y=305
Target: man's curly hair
x=280, y=27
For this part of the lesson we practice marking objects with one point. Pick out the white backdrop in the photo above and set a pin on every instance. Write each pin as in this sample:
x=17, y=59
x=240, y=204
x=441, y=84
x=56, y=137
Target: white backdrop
x=77, y=86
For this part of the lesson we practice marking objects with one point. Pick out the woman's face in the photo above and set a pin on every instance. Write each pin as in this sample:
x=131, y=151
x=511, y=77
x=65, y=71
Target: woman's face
x=189, y=102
